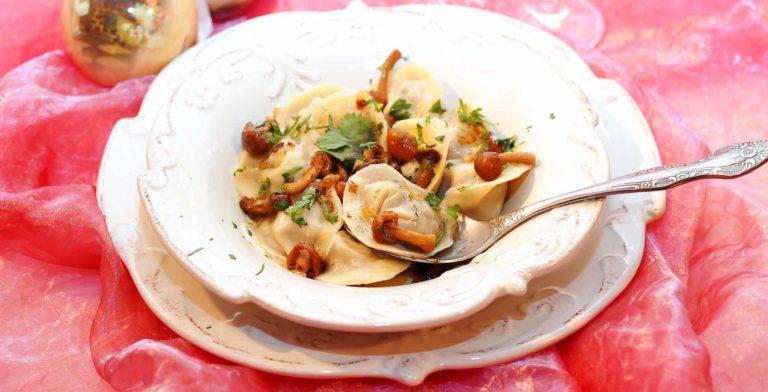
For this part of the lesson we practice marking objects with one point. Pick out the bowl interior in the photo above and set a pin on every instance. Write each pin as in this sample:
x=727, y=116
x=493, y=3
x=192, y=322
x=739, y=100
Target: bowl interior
x=241, y=75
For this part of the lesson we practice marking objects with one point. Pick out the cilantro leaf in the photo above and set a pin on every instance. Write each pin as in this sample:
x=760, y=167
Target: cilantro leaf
x=346, y=142
x=400, y=109
x=288, y=175
x=507, y=144
x=437, y=107
x=453, y=211
x=433, y=200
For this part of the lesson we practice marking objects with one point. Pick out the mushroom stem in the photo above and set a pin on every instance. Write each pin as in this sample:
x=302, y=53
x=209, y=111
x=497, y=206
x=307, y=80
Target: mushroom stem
x=385, y=230
x=527, y=158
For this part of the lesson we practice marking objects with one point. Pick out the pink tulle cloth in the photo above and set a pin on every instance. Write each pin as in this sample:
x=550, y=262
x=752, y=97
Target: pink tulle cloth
x=694, y=318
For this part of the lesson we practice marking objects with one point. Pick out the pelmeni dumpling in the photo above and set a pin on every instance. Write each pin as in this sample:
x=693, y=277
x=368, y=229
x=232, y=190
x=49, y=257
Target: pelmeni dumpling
x=479, y=199
x=380, y=188
x=434, y=135
x=416, y=85
x=297, y=106
x=348, y=262
x=352, y=263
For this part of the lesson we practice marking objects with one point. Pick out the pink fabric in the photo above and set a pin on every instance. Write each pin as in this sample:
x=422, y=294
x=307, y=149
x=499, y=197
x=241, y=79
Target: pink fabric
x=694, y=318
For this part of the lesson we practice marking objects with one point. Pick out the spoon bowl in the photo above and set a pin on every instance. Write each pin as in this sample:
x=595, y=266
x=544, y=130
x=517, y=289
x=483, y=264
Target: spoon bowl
x=474, y=237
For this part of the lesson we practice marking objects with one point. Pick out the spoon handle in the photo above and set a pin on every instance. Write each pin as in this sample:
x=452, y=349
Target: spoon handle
x=728, y=162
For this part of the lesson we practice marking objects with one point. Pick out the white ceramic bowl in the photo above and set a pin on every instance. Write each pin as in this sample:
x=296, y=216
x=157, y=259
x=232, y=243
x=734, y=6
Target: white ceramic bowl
x=241, y=74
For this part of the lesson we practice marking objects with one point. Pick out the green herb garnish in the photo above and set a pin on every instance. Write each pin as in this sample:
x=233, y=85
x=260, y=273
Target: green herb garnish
x=400, y=109
x=464, y=188
x=376, y=105
x=433, y=200
x=440, y=138
x=440, y=236
x=507, y=144
x=552, y=116
x=232, y=256
x=437, y=107
x=194, y=251
x=260, y=270
x=280, y=205
x=528, y=128
x=239, y=170
x=264, y=186
x=250, y=233
x=453, y=211
x=346, y=141
x=308, y=198
x=288, y=175
x=234, y=225
x=475, y=117
x=298, y=126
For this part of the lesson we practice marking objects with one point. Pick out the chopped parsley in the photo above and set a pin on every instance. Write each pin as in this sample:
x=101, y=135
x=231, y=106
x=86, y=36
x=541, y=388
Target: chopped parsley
x=453, y=211
x=264, y=186
x=250, y=233
x=273, y=135
x=308, y=198
x=260, y=270
x=194, y=251
x=400, y=109
x=475, y=117
x=232, y=256
x=288, y=175
x=437, y=107
x=346, y=142
x=329, y=216
x=433, y=200
x=208, y=327
x=552, y=116
x=239, y=170
x=234, y=225
x=464, y=188
x=298, y=126
x=367, y=145
x=440, y=138
x=528, y=128
x=507, y=144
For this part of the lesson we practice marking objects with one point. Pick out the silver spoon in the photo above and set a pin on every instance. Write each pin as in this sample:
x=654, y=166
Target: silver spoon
x=473, y=237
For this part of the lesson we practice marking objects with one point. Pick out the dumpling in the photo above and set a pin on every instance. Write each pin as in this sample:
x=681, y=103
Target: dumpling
x=434, y=136
x=479, y=199
x=347, y=261
x=382, y=189
x=416, y=85
x=294, y=108
x=352, y=263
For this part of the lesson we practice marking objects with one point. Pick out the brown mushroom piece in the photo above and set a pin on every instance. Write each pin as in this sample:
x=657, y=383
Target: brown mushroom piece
x=254, y=140
x=381, y=91
x=304, y=260
x=427, y=159
x=321, y=163
x=386, y=231
x=259, y=207
x=488, y=165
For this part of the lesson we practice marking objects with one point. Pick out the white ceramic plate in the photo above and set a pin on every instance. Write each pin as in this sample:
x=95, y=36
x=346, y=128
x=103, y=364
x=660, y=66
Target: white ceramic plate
x=200, y=103
x=557, y=303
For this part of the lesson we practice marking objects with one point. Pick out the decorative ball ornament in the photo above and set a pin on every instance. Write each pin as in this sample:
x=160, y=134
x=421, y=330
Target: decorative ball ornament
x=114, y=40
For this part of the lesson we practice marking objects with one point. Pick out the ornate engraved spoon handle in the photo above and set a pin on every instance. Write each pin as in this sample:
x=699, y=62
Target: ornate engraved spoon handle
x=728, y=162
